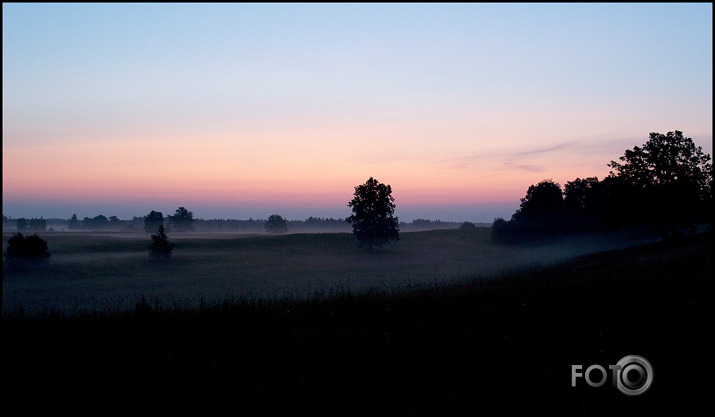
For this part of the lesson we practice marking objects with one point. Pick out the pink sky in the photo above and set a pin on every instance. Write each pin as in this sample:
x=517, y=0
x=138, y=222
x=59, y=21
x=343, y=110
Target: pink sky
x=245, y=110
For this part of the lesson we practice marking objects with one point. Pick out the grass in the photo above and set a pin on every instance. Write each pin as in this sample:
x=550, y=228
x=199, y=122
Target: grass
x=89, y=271
x=480, y=346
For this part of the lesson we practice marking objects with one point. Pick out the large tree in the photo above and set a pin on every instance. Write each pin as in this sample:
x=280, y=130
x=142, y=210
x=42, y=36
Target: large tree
x=665, y=160
x=153, y=221
x=373, y=208
x=276, y=224
x=668, y=182
x=182, y=220
x=541, y=210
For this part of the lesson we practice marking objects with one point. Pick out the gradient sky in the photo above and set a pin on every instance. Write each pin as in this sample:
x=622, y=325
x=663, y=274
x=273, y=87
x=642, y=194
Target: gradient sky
x=244, y=110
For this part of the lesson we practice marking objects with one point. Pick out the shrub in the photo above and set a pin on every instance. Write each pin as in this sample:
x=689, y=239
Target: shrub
x=466, y=230
x=160, y=245
x=31, y=248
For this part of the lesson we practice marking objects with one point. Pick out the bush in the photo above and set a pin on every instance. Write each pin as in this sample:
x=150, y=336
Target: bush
x=31, y=248
x=466, y=230
x=160, y=245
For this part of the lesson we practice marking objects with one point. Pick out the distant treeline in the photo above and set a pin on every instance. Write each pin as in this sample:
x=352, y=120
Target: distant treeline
x=139, y=224
x=23, y=224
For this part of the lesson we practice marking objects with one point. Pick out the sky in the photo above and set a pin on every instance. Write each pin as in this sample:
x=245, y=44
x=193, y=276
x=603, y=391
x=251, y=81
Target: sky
x=245, y=110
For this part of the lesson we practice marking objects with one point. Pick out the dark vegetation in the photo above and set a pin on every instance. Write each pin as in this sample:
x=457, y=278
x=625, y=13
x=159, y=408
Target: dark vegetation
x=666, y=185
x=276, y=224
x=100, y=222
x=467, y=230
x=182, y=220
x=160, y=246
x=311, y=224
x=33, y=225
x=372, y=218
x=153, y=221
x=28, y=249
x=500, y=346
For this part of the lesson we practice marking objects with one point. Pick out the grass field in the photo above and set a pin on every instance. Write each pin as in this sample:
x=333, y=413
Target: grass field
x=501, y=346
x=112, y=271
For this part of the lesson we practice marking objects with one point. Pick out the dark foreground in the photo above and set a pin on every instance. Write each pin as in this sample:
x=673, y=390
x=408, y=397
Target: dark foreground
x=505, y=346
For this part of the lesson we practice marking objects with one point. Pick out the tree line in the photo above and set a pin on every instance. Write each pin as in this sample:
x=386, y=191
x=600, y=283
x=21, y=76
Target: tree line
x=136, y=224
x=33, y=225
x=665, y=185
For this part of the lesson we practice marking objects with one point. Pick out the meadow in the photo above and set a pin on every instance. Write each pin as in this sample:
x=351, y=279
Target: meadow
x=499, y=345
x=110, y=272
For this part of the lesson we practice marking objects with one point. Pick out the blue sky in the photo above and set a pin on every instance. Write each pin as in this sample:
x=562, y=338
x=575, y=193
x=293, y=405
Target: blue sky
x=243, y=110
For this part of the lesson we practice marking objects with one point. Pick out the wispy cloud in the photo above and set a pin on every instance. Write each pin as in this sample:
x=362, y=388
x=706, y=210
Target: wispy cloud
x=536, y=158
x=549, y=149
x=524, y=167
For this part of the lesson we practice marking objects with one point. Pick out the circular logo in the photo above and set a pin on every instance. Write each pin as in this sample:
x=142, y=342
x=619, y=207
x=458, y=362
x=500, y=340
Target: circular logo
x=634, y=376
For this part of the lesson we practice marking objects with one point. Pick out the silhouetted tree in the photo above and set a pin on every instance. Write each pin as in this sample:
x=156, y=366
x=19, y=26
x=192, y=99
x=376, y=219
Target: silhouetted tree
x=666, y=159
x=160, y=245
x=153, y=221
x=669, y=181
x=21, y=224
x=276, y=224
x=372, y=218
x=500, y=230
x=182, y=220
x=540, y=214
x=73, y=222
x=33, y=248
x=583, y=204
x=578, y=195
x=541, y=209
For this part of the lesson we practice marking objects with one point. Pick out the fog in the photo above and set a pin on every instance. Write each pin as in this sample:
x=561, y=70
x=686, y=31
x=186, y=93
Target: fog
x=475, y=212
x=111, y=271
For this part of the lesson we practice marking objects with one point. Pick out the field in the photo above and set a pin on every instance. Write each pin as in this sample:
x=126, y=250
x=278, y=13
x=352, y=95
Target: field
x=112, y=271
x=499, y=341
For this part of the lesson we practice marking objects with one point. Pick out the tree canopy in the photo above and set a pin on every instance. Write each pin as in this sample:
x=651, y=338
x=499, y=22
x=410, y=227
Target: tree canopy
x=276, y=224
x=153, y=221
x=542, y=204
x=372, y=218
x=669, y=159
x=182, y=220
x=665, y=184
x=31, y=248
x=99, y=222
